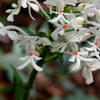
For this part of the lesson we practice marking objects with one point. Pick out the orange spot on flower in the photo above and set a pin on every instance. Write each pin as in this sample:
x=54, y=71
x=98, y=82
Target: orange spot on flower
x=96, y=43
x=64, y=26
x=17, y=6
x=30, y=53
x=60, y=11
x=76, y=52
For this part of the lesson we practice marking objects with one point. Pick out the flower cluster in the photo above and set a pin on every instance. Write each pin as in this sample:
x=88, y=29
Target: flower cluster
x=72, y=28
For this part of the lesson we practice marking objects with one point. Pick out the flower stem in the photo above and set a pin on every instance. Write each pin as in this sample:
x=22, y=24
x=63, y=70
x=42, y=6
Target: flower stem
x=30, y=83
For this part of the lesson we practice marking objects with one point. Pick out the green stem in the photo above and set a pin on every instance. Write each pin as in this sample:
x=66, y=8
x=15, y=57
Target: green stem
x=30, y=83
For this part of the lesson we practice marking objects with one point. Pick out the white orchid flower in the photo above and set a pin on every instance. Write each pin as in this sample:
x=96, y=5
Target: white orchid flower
x=31, y=58
x=34, y=4
x=59, y=4
x=60, y=17
x=60, y=30
x=90, y=11
x=30, y=4
x=96, y=3
x=95, y=48
x=88, y=68
x=87, y=75
x=78, y=58
x=13, y=12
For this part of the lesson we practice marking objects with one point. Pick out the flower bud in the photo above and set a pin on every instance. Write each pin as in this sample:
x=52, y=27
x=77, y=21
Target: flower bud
x=98, y=16
x=80, y=20
x=80, y=7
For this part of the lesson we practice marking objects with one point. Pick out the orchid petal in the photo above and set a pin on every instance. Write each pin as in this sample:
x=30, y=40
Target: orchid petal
x=36, y=57
x=24, y=65
x=87, y=74
x=86, y=59
x=90, y=49
x=62, y=32
x=84, y=53
x=24, y=3
x=36, y=67
x=72, y=58
x=34, y=6
x=54, y=34
x=56, y=19
x=97, y=54
x=12, y=35
x=76, y=66
x=24, y=58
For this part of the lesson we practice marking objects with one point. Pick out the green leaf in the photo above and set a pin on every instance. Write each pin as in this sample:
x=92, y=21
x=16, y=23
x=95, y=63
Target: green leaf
x=18, y=86
x=51, y=57
x=42, y=34
x=68, y=8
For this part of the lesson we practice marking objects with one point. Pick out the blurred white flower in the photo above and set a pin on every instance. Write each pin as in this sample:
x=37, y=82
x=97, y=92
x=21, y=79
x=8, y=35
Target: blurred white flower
x=60, y=30
x=96, y=3
x=34, y=4
x=31, y=58
x=60, y=17
x=59, y=4
x=89, y=11
x=11, y=34
x=35, y=40
x=13, y=12
x=95, y=48
x=78, y=58
x=77, y=36
x=75, y=22
x=30, y=4
x=88, y=68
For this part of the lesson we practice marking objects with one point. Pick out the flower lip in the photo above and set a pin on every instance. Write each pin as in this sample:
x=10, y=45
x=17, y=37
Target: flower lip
x=76, y=52
x=60, y=11
x=30, y=53
x=96, y=43
x=64, y=26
